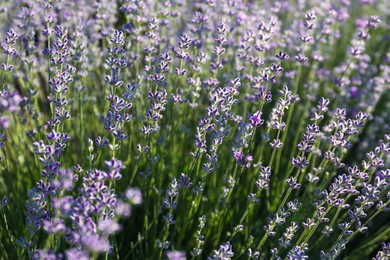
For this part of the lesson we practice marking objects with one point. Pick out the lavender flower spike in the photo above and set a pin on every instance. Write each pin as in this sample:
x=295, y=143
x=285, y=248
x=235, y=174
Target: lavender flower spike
x=256, y=120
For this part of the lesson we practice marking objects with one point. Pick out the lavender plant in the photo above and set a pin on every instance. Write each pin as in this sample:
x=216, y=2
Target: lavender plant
x=210, y=129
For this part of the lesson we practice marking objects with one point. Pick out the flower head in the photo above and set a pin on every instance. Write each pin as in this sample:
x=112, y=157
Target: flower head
x=256, y=120
x=176, y=255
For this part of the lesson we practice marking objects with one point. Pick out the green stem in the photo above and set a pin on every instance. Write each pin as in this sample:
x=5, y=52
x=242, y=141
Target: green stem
x=289, y=117
x=7, y=228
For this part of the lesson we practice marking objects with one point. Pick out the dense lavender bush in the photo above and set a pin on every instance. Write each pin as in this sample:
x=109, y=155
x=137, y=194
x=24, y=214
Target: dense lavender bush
x=208, y=129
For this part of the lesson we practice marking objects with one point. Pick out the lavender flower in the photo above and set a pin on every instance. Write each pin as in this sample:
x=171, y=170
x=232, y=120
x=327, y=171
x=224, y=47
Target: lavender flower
x=134, y=195
x=109, y=226
x=297, y=253
x=95, y=243
x=385, y=252
x=224, y=252
x=4, y=201
x=9, y=103
x=46, y=254
x=73, y=254
x=176, y=255
x=256, y=120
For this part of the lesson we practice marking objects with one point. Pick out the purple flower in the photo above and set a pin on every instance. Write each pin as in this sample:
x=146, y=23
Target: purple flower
x=134, y=195
x=241, y=17
x=256, y=120
x=65, y=180
x=248, y=160
x=76, y=254
x=361, y=23
x=298, y=253
x=64, y=205
x=176, y=255
x=4, y=201
x=4, y=122
x=109, y=226
x=354, y=91
x=122, y=209
x=42, y=254
x=224, y=252
x=239, y=156
x=276, y=144
x=342, y=15
x=95, y=243
x=10, y=101
x=54, y=226
x=114, y=166
x=300, y=162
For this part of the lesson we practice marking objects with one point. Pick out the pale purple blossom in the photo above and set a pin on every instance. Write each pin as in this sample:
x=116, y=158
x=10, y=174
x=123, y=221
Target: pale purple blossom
x=134, y=195
x=76, y=254
x=95, y=243
x=176, y=255
x=109, y=226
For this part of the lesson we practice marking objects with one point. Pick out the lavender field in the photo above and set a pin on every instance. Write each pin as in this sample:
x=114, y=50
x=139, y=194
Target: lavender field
x=206, y=129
